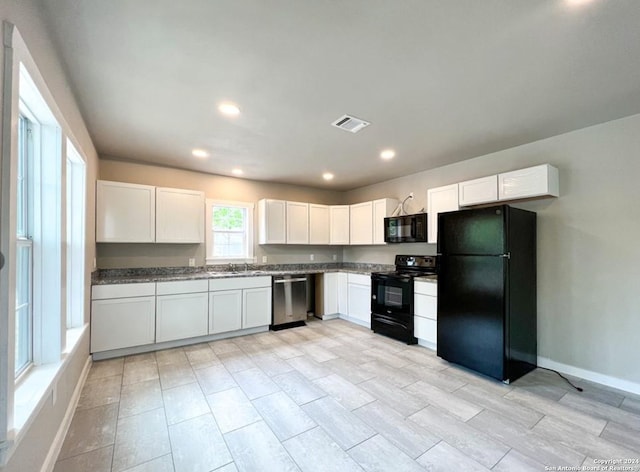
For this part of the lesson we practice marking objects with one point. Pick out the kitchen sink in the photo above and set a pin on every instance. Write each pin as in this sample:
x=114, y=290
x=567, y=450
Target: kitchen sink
x=239, y=272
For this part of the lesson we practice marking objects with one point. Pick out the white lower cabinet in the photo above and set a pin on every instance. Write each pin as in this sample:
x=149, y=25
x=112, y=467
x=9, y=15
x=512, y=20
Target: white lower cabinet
x=425, y=320
x=181, y=310
x=239, y=303
x=122, y=316
x=359, y=299
x=225, y=311
x=343, y=295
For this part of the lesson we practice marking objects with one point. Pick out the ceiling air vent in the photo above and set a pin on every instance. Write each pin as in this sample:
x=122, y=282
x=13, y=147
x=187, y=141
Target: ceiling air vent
x=350, y=123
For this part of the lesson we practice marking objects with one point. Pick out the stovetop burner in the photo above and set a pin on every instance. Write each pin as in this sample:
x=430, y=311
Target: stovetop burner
x=413, y=266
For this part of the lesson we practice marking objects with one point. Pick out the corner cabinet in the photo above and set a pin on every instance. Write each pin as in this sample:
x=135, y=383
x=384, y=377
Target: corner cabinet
x=440, y=200
x=125, y=213
x=361, y=223
x=179, y=216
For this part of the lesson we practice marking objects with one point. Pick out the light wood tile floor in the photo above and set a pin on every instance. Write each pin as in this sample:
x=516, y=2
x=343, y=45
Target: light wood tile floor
x=333, y=396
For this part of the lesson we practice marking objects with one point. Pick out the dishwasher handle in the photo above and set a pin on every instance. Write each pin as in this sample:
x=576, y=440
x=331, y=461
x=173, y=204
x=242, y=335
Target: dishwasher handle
x=285, y=281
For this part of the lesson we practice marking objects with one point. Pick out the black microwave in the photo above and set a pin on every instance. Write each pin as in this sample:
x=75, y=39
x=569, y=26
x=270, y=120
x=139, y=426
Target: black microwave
x=406, y=229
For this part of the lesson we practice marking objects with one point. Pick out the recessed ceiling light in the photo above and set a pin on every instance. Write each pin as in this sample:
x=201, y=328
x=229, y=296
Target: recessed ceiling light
x=229, y=109
x=328, y=176
x=237, y=171
x=388, y=154
x=200, y=153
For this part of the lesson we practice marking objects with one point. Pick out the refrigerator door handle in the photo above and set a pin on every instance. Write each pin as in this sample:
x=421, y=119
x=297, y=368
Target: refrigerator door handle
x=506, y=256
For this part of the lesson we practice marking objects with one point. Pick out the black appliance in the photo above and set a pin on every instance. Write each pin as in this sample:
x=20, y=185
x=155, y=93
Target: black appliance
x=487, y=290
x=406, y=229
x=392, y=297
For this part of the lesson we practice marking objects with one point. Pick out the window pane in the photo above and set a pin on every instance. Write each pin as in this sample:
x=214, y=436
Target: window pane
x=228, y=218
x=21, y=216
x=228, y=244
x=23, y=307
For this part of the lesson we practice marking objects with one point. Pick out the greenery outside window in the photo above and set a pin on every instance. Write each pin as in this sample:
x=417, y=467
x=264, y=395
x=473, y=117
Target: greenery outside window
x=229, y=232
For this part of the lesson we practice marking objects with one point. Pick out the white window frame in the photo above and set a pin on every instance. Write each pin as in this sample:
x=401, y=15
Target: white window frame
x=76, y=191
x=249, y=207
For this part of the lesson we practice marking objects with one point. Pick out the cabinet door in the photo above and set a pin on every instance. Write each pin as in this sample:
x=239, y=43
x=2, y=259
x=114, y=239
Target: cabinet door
x=361, y=223
x=440, y=200
x=318, y=224
x=272, y=219
x=122, y=322
x=225, y=311
x=179, y=216
x=342, y=282
x=359, y=299
x=125, y=213
x=181, y=316
x=527, y=183
x=426, y=329
x=339, y=224
x=425, y=306
x=474, y=192
x=297, y=223
x=256, y=307
x=381, y=209
x=330, y=293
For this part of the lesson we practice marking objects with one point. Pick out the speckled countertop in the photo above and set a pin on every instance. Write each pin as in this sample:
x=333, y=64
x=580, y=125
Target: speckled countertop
x=170, y=274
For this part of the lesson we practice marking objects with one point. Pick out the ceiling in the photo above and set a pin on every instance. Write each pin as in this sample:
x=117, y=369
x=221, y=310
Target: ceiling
x=440, y=80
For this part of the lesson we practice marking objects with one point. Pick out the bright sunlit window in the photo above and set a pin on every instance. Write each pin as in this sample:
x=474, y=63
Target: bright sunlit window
x=229, y=232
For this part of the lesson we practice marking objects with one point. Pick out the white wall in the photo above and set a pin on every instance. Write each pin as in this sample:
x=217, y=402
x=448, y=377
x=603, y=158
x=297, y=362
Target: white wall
x=588, y=241
x=26, y=15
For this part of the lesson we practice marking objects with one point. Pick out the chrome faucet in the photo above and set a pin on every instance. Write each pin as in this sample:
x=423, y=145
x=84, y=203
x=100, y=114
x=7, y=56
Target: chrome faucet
x=246, y=267
x=230, y=267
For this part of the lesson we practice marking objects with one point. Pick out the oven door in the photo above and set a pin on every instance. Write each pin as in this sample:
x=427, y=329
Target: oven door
x=391, y=295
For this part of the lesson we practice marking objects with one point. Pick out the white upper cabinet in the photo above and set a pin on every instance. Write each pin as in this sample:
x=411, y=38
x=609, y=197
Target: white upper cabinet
x=477, y=191
x=339, y=224
x=381, y=209
x=179, y=216
x=440, y=200
x=272, y=219
x=361, y=223
x=318, y=224
x=125, y=213
x=297, y=223
x=531, y=182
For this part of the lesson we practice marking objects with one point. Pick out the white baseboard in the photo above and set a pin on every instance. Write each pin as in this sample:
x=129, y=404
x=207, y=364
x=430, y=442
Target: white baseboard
x=615, y=382
x=56, y=446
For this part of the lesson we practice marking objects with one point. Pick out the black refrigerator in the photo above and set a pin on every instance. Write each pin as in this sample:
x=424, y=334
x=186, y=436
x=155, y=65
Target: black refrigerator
x=487, y=290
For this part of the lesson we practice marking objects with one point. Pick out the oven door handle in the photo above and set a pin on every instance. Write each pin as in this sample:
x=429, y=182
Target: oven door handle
x=390, y=277
x=389, y=322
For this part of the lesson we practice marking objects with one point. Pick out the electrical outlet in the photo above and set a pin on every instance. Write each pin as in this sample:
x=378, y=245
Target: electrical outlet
x=335, y=257
x=192, y=262
x=312, y=257
x=264, y=259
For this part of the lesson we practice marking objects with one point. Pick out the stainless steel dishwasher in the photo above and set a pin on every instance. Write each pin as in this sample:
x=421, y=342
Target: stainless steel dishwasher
x=289, y=301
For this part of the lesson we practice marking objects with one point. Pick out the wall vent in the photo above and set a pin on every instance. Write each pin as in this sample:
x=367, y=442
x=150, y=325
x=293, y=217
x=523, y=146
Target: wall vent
x=350, y=123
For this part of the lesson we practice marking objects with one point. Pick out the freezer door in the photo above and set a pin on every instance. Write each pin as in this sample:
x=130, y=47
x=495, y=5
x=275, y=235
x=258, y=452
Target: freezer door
x=480, y=231
x=471, y=312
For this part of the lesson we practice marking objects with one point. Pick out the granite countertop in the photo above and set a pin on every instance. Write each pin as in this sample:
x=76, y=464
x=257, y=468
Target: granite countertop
x=172, y=274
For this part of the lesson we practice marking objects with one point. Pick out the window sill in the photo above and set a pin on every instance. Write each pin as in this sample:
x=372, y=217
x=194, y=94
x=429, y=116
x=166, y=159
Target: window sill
x=38, y=386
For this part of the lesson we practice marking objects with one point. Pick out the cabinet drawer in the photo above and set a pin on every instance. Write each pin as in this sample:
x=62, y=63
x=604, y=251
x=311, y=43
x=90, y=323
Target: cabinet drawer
x=359, y=279
x=425, y=329
x=426, y=306
x=183, y=286
x=426, y=288
x=234, y=283
x=100, y=292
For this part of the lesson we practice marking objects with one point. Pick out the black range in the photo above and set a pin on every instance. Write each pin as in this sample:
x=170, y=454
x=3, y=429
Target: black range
x=392, y=296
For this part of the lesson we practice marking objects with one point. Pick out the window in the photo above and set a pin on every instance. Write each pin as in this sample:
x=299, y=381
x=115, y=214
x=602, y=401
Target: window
x=229, y=232
x=24, y=247
x=76, y=178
